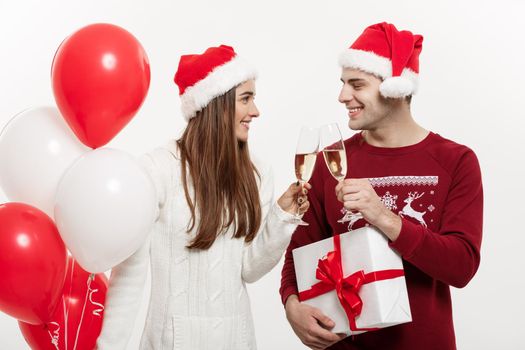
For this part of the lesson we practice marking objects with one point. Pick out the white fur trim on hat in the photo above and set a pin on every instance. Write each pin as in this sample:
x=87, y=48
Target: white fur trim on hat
x=366, y=61
x=369, y=62
x=218, y=82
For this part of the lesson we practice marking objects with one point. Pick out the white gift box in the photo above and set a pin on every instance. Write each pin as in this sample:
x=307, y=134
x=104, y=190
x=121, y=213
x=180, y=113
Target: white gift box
x=385, y=302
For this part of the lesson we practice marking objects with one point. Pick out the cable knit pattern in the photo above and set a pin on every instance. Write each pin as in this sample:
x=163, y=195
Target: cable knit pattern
x=198, y=297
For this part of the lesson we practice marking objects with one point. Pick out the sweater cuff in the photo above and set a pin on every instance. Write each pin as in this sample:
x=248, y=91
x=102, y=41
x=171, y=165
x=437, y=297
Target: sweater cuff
x=286, y=292
x=409, y=238
x=281, y=226
x=283, y=215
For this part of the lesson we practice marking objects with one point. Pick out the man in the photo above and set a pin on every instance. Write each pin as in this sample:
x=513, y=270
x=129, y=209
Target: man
x=421, y=190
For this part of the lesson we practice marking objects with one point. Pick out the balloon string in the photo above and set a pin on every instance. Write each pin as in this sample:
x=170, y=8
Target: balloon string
x=54, y=338
x=96, y=312
x=83, y=309
x=65, y=321
x=68, y=297
x=93, y=291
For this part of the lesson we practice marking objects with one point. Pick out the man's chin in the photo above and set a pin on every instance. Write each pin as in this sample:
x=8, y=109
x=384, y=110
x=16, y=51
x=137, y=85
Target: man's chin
x=355, y=126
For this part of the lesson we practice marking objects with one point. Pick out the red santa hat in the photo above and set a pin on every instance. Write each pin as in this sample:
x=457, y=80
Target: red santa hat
x=203, y=77
x=390, y=54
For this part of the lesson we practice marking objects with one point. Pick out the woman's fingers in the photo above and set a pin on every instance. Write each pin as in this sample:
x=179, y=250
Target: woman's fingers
x=304, y=207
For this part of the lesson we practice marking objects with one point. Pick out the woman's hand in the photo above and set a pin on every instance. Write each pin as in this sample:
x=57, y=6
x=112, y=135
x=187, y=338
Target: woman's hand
x=294, y=199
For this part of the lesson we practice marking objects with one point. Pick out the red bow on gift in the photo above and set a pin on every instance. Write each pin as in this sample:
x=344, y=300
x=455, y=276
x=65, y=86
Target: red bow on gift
x=330, y=274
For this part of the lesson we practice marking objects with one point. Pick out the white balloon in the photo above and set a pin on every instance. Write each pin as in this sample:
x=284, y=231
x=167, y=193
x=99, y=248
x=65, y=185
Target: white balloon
x=36, y=148
x=105, y=208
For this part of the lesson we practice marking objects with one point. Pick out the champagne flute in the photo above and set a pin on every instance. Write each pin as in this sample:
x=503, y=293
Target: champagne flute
x=334, y=155
x=334, y=151
x=305, y=156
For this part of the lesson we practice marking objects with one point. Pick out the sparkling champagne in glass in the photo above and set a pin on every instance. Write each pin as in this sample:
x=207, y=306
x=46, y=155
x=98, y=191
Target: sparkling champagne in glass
x=305, y=156
x=334, y=155
x=336, y=162
x=304, y=166
x=333, y=150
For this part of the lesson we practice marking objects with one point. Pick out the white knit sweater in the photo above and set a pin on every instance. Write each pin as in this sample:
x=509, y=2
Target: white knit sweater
x=198, y=297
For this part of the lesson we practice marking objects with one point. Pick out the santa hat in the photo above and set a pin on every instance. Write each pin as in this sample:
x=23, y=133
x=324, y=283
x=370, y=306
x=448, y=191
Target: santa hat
x=203, y=77
x=390, y=54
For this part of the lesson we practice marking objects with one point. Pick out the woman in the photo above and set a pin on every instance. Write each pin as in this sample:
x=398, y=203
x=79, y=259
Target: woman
x=217, y=225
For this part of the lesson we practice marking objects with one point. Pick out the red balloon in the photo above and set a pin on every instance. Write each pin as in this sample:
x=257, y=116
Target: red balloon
x=78, y=318
x=100, y=78
x=32, y=263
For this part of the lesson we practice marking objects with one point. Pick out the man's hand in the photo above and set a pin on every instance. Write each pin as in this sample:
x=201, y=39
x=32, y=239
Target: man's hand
x=310, y=324
x=359, y=195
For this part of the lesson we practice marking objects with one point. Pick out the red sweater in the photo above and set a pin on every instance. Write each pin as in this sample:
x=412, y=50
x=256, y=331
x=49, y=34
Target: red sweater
x=435, y=186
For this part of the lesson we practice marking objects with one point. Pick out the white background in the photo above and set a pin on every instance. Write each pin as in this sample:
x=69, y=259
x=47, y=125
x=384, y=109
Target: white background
x=472, y=75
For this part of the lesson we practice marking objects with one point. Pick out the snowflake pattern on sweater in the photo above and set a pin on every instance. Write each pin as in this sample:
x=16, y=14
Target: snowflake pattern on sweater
x=412, y=203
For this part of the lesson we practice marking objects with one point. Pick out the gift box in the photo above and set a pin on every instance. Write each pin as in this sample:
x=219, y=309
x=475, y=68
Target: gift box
x=354, y=278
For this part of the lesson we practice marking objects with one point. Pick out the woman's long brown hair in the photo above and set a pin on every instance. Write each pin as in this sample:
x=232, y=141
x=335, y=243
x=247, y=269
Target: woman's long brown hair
x=222, y=175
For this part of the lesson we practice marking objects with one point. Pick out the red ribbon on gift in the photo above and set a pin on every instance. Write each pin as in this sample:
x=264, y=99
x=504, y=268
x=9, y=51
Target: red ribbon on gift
x=330, y=274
